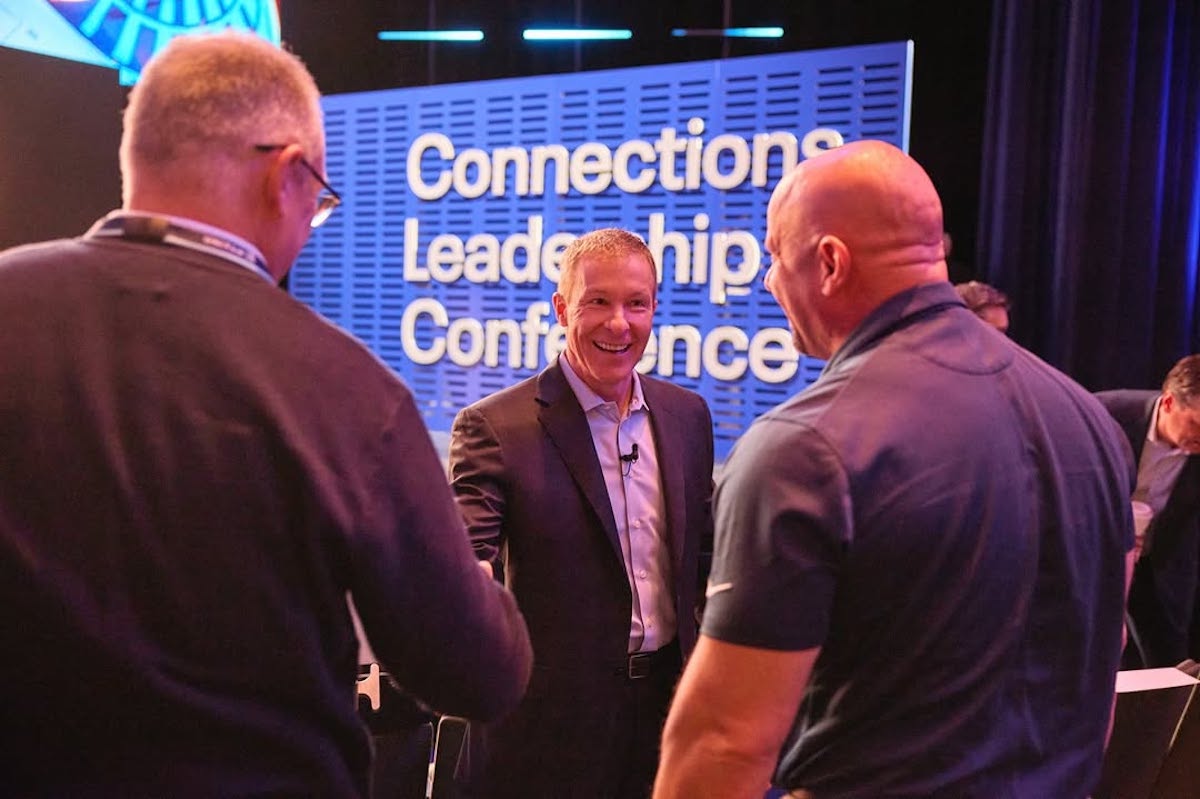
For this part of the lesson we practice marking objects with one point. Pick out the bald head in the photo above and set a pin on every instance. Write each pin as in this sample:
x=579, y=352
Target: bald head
x=849, y=229
x=871, y=195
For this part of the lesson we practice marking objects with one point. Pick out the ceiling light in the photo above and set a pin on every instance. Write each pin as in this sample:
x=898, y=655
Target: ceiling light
x=575, y=34
x=431, y=36
x=733, y=33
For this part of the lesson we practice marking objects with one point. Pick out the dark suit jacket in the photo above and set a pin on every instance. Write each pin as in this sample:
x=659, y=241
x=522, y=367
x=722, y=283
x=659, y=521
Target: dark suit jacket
x=1165, y=589
x=527, y=478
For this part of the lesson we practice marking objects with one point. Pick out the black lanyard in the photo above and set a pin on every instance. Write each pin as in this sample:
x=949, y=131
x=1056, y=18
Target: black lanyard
x=158, y=230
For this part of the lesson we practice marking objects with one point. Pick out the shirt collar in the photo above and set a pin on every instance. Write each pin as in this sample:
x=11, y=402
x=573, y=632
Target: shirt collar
x=895, y=312
x=589, y=400
x=1152, y=437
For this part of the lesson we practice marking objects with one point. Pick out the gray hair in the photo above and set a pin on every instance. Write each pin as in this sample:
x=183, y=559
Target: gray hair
x=1183, y=381
x=207, y=97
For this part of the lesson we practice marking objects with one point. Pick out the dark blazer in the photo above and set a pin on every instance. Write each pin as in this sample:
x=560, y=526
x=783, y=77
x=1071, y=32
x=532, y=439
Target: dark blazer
x=529, y=484
x=1166, y=581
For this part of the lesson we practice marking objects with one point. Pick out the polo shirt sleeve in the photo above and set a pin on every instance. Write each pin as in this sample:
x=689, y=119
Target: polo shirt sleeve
x=783, y=524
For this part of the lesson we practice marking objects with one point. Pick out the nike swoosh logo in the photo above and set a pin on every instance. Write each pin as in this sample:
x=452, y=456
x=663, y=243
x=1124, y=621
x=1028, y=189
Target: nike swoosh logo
x=712, y=590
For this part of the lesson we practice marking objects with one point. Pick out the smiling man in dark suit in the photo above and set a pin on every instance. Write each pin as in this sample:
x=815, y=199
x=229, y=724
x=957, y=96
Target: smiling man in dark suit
x=1164, y=431
x=588, y=488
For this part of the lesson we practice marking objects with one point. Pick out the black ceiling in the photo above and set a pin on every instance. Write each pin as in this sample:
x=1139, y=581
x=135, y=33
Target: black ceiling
x=60, y=120
x=339, y=43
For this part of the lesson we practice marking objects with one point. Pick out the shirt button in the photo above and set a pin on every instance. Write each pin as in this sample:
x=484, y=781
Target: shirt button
x=637, y=522
x=642, y=574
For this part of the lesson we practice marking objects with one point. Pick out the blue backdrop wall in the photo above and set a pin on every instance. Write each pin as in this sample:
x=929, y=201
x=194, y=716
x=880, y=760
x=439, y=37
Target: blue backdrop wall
x=460, y=199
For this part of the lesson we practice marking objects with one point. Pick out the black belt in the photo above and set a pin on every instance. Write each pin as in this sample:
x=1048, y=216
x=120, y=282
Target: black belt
x=641, y=665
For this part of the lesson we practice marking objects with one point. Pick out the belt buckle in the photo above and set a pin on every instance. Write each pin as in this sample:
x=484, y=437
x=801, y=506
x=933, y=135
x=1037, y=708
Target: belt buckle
x=639, y=665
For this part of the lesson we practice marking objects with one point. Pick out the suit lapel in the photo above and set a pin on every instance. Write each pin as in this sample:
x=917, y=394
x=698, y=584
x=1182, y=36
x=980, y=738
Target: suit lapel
x=566, y=426
x=669, y=443
x=1175, y=522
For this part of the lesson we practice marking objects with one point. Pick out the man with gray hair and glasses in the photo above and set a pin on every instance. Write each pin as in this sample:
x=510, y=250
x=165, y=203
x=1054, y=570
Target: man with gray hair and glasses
x=197, y=471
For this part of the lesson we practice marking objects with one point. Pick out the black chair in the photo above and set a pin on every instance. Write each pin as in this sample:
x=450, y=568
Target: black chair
x=1145, y=736
x=402, y=735
x=1179, y=777
x=449, y=745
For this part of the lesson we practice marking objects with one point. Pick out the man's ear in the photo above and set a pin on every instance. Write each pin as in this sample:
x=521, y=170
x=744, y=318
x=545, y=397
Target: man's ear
x=280, y=180
x=560, y=308
x=833, y=257
x=1168, y=402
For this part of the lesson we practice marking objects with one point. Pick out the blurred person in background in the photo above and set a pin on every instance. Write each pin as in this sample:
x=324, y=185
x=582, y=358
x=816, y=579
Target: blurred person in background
x=989, y=304
x=1163, y=428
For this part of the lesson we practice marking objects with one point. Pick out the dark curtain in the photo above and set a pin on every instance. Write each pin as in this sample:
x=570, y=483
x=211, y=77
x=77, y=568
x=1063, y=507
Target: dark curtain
x=1090, y=191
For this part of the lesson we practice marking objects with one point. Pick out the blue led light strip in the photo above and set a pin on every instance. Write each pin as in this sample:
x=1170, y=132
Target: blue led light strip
x=733, y=33
x=574, y=34
x=431, y=36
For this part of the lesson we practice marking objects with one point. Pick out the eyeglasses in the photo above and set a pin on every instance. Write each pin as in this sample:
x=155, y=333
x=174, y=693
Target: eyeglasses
x=326, y=200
